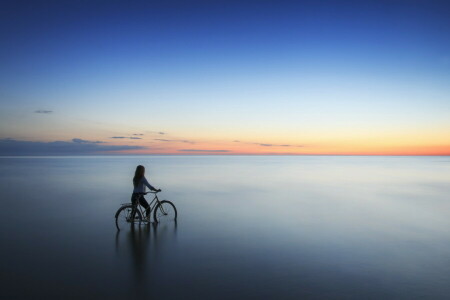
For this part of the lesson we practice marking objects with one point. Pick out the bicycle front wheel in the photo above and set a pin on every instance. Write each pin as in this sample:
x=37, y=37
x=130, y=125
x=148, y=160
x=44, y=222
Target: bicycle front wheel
x=165, y=211
x=124, y=217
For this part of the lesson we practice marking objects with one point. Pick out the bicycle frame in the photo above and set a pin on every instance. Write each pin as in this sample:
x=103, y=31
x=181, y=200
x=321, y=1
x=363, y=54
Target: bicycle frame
x=128, y=211
x=151, y=205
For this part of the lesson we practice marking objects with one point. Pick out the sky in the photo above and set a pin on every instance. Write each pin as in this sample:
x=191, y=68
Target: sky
x=225, y=77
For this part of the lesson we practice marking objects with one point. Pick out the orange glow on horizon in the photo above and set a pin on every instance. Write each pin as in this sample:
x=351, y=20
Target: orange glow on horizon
x=230, y=148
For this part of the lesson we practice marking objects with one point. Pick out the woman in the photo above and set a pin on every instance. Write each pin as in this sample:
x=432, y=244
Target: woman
x=139, y=183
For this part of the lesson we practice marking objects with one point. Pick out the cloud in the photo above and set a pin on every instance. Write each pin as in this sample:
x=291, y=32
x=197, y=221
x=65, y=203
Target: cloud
x=42, y=111
x=156, y=132
x=181, y=141
x=138, y=134
x=80, y=141
x=268, y=145
x=274, y=145
x=126, y=137
x=74, y=147
x=202, y=150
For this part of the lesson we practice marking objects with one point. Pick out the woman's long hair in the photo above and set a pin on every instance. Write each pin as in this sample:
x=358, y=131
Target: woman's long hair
x=138, y=175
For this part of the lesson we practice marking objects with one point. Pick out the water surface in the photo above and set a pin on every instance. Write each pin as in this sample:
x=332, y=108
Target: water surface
x=248, y=227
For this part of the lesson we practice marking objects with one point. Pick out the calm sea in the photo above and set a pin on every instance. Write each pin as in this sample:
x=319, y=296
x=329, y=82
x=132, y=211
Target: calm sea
x=249, y=227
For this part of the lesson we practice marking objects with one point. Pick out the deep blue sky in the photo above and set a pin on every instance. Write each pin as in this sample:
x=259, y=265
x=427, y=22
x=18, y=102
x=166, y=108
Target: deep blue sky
x=65, y=34
x=226, y=65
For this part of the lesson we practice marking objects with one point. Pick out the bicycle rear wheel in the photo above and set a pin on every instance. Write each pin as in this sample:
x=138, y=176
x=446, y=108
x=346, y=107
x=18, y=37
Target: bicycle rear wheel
x=124, y=217
x=165, y=211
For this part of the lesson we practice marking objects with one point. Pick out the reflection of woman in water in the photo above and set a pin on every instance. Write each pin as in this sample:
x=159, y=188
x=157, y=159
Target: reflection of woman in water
x=148, y=247
x=139, y=183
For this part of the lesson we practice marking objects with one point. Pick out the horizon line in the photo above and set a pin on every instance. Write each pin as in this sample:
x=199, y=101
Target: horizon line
x=208, y=154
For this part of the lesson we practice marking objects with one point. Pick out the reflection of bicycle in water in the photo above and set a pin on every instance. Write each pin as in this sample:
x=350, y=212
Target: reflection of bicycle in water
x=132, y=213
x=143, y=251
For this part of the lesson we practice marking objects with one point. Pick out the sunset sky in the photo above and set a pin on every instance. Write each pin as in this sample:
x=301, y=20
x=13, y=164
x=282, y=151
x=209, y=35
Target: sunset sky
x=225, y=77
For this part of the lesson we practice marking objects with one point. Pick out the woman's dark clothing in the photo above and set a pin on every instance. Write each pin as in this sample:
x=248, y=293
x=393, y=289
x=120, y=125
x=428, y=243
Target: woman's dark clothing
x=141, y=184
x=139, y=197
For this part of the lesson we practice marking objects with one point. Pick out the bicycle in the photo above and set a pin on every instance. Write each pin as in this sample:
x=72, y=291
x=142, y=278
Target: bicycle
x=130, y=214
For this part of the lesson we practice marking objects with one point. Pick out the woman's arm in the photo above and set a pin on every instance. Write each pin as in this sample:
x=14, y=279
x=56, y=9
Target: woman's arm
x=144, y=180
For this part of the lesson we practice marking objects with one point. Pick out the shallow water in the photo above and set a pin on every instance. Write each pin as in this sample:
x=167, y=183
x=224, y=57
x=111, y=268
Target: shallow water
x=248, y=227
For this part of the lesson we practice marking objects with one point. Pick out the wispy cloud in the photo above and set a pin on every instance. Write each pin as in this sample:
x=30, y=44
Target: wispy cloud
x=268, y=145
x=126, y=137
x=275, y=145
x=74, y=147
x=157, y=132
x=180, y=141
x=202, y=150
x=43, y=111
x=138, y=134
x=81, y=141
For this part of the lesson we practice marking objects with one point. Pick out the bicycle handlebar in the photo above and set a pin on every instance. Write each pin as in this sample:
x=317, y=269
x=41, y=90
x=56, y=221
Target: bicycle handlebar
x=151, y=192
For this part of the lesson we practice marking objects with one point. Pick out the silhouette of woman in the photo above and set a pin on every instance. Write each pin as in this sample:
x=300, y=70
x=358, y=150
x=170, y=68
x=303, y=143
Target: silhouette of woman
x=139, y=183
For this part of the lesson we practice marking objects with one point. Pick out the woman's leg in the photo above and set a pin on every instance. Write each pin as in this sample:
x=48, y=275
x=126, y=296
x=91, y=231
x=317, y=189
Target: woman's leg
x=134, y=200
x=145, y=205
